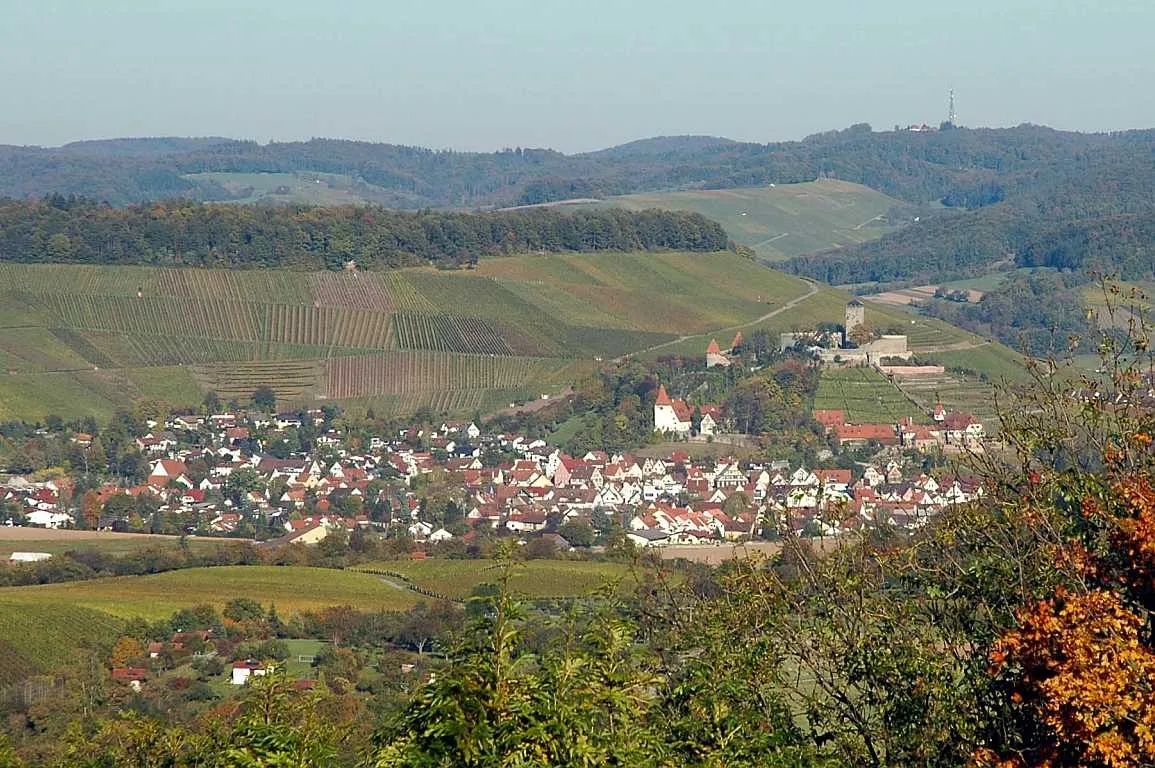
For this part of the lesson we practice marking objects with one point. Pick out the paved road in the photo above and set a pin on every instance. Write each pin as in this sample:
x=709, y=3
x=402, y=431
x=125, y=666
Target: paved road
x=718, y=331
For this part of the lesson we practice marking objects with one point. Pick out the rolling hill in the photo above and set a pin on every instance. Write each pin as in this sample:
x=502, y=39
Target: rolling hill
x=76, y=340
x=785, y=220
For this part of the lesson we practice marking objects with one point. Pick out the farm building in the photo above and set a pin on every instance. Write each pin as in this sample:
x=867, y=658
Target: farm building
x=28, y=557
x=243, y=670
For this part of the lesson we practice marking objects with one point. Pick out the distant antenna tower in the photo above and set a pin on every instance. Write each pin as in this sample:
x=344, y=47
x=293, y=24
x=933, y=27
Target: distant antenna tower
x=952, y=118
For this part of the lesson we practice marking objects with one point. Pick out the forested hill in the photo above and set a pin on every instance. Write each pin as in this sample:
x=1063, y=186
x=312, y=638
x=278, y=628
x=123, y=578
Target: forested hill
x=960, y=167
x=1091, y=210
x=70, y=230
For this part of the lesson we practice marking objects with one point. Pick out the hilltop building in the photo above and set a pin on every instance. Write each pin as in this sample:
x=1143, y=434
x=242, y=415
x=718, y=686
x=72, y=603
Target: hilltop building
x=674, y=418
x=855, y=316
x=832, y=350
x=715, y=357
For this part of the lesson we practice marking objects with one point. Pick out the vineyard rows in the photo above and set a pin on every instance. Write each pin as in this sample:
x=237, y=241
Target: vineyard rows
x=450, y=401
x=235, y=286
x=290, y=380
x=365, y=330
x=418, y=372
x=126, y=351
x=288, y=323
x=449, y=333
x=294, y=324
x=186, y=319
x=367, y=291
x=155, y=316
x=405, y=297
x=72, y=278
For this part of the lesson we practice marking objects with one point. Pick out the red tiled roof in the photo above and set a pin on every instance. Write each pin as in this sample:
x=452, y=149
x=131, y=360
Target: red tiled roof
x=170, y=467
x=834, y=475
x=830, y=418
x=880, y=432
x=129, y=673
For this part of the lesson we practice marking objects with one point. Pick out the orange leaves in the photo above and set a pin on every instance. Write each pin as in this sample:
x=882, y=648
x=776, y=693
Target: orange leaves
x=1079, y=665
x=1133, y=536
x=1078, y=668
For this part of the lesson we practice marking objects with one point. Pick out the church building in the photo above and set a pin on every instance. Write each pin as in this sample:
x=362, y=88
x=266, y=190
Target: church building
x=671, y=417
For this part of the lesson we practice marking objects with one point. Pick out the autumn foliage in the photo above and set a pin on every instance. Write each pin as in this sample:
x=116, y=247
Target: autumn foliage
x=1079, y=669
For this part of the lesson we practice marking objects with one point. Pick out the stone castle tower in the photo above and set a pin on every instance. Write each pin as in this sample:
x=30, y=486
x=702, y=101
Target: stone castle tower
x=855, y=315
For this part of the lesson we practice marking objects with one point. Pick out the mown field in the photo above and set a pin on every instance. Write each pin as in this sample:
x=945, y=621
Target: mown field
x=999, y=363
x=301, y=187
x=80, y=340
x=292, y=589
x=535, y=578
x=785, y=220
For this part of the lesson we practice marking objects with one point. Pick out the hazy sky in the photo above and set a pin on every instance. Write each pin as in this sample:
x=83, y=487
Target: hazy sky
x=569, y=74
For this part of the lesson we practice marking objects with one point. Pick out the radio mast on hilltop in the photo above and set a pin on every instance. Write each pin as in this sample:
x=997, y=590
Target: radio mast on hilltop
x=952, y=118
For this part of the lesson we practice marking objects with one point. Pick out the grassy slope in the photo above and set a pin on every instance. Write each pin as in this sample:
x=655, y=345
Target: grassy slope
x=299, y=188
x=292, y=589
x=536, y=578
x=35, y=638
x=786, y=220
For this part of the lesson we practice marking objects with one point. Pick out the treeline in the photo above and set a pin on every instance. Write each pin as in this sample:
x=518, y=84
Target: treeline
x=960, y=167
x=957, y=245
x=59, y=229
x=1037, y=313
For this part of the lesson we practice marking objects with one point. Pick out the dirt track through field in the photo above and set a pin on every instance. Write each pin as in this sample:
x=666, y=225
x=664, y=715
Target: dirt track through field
x=52, y=534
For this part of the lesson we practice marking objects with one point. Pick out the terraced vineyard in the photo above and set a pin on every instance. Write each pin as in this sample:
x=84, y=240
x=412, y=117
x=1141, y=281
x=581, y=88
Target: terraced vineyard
x=865, y=396
x=291, y=380
x=74, y=340
x=958, y=392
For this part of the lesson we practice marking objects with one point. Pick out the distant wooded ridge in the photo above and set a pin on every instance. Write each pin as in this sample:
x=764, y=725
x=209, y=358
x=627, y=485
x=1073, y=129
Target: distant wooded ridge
x=960, y=167
x=74, y=230
x=1019, y=194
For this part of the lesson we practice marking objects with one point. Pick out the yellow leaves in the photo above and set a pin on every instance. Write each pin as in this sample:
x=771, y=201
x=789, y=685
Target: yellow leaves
x=1078, y=668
